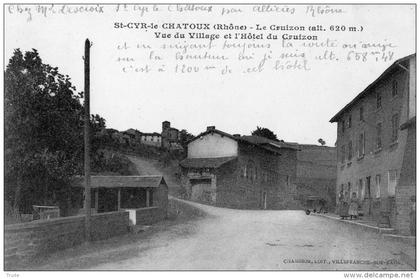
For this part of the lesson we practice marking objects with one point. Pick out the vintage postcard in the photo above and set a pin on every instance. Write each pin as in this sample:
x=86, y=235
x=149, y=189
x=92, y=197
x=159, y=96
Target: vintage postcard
x=210, y=137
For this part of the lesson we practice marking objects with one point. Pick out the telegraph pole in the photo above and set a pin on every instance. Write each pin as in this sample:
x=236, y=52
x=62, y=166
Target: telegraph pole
x=87, y=141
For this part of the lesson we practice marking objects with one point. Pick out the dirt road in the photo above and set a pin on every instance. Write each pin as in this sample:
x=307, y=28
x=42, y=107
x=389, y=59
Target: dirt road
x=252, y=239
x=229, y=239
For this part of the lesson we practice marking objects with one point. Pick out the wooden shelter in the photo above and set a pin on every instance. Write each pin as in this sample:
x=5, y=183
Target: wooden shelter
x=113, y=193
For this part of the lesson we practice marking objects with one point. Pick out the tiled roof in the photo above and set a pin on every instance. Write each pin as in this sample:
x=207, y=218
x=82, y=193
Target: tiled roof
x=260, y=142
x=150, y=134
x=101, y=181
x=205, y=162
x=264, y=141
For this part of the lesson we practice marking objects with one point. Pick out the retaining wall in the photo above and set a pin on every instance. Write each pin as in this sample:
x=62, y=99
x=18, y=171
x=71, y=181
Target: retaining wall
x=26, y=241
x=146, y=216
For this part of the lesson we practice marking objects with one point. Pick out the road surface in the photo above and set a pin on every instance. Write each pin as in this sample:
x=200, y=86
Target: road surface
x=228, y=239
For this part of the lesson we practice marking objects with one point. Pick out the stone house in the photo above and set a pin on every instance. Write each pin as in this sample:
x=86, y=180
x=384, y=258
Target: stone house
x=170, y=137
x=371, y=145
x=316, y=169
x=239, y=172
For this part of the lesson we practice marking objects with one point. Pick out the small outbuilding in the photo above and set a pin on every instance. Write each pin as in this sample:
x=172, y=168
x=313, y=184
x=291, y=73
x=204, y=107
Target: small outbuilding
x=145, y=197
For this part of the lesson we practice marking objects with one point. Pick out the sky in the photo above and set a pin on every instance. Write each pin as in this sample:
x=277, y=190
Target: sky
x=295, y=105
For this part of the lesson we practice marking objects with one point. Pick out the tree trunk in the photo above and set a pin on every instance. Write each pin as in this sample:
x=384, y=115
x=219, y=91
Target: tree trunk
x=18, y=196
x=46, y=191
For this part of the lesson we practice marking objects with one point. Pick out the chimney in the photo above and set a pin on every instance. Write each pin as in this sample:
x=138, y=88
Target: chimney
x=211, y=128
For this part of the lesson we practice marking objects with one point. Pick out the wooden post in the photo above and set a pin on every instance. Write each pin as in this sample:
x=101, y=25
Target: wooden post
x=87, y=140
x=147, y=198
x=119, y=199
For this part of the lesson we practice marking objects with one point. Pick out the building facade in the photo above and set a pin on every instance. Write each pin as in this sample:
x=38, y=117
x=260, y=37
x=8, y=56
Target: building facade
x=170, y=137
x=152, y=139
x=233, y=171
x=371, y=145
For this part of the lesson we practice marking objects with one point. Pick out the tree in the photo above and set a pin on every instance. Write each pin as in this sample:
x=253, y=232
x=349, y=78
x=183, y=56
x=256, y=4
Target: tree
x=321, y=141
x=185, y=137
x=266, y=133
x=43, y=132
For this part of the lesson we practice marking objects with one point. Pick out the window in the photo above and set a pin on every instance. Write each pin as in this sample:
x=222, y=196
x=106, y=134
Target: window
x=378, y=186
x=349, y=122
x=361, y=151
x=361, y=116
x=287, y=180
x=379, y=136
x=394, y=88
x=343, y=126
x=350, y=151
x=343, y=154
x=368, y=192
x=378, y=100
x=392, y=182
x=361, y=192
x=395, y=127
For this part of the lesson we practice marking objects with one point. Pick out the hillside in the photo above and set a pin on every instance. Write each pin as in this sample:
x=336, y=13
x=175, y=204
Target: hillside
x=148, y=166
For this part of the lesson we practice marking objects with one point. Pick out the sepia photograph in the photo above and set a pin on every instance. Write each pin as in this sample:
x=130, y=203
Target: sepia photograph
x=210, y=137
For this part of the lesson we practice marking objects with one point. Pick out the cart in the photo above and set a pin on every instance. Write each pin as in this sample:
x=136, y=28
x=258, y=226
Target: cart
x=315, y=204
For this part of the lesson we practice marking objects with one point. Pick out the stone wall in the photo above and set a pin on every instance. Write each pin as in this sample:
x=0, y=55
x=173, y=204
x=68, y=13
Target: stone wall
x=375, y=161
x=406, y=188
x=26, y=241
x=147, y=215
x=265, y=172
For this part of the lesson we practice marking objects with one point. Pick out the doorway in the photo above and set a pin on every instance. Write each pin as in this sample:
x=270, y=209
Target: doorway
x=201, y=189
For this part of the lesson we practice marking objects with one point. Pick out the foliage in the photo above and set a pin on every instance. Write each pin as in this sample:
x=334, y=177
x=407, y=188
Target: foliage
x=44, y=135
x=185, y=137
x=110, y=162
x=265, y=132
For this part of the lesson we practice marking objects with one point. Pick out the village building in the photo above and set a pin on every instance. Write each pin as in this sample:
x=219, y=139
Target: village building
x=375, y=156
x=239, y=172
x=170, y=137
x=316, y=169
x=136, y=137
x=151, y=139
x=128, y=193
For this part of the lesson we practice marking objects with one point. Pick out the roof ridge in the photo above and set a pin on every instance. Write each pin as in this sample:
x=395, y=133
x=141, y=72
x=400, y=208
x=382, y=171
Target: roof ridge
x=372, y=84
